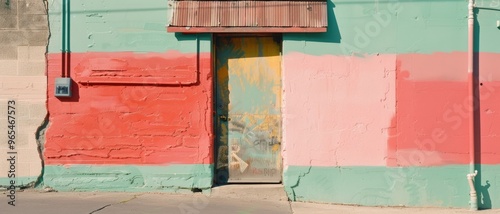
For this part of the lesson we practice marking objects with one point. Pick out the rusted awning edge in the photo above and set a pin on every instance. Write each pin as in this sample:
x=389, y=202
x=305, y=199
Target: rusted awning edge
x=175, y=29
x=304, y=16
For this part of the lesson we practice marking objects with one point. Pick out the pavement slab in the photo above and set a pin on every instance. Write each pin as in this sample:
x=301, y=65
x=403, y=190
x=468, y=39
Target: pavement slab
x=229, y=199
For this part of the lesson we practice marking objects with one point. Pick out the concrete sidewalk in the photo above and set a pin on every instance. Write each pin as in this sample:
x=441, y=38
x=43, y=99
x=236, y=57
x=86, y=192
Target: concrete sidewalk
x=236, y=199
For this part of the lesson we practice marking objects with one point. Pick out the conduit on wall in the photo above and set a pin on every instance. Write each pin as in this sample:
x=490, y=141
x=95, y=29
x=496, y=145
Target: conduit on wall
x=65, y=69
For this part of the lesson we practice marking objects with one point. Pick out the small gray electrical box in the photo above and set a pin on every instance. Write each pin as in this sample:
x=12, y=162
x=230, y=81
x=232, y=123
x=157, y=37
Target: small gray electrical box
x=63, y=87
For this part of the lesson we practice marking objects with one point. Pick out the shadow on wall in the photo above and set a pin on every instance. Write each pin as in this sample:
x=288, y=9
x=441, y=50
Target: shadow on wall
x=483, y=195
x=484, y=200
x=332, y=34
x=194, y=36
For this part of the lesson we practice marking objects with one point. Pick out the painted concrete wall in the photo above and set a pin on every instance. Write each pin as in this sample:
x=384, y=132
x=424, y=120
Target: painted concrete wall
x=388, y=122
x=23, y=39
x=151, y=129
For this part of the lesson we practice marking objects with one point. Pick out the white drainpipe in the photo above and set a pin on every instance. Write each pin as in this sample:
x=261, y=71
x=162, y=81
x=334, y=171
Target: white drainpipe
x=473, y=194
x=470, y=76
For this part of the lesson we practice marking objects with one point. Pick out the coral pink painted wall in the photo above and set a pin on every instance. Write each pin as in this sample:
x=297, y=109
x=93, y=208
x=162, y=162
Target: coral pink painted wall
x=432, y=111
x=489, y=108
x=425, y=95
x=127, y=123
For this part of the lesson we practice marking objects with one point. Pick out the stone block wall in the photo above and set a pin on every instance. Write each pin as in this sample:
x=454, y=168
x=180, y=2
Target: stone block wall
x=23, y=43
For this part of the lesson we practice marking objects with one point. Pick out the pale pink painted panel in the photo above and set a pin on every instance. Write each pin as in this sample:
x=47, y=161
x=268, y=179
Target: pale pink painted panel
x=337, y=109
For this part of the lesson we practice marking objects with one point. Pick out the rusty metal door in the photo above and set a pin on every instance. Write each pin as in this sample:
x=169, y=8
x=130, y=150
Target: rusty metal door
x=248, y=104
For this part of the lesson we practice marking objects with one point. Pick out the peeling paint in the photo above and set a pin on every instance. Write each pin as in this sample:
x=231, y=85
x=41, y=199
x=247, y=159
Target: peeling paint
x=249, y=109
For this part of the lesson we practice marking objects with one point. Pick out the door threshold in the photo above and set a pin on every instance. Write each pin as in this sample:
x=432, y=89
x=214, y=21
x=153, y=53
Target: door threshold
x=273, y=192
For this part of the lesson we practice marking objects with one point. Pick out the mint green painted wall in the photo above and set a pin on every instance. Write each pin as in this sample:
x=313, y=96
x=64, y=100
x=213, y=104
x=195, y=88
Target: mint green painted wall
x=120, y=25
x=387, y=26
x=487, y=32
x=20, y=181
x=128, y=178
x=379, y=186
x=370, y=27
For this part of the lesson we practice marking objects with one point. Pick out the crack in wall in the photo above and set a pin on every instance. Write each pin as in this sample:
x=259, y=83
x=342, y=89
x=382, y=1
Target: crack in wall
x=207, y=129
x=301, y=175
x=40, y=141
x=40, y=131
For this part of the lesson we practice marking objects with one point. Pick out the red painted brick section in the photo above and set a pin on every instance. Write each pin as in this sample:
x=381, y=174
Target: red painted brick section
x=132, y=121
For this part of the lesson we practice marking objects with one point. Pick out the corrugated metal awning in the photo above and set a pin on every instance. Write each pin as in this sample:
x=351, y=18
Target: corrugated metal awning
x=248, y=16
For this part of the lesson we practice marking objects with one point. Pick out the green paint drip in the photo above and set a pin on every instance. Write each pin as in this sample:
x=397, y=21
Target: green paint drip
x=444, y=186
x=128, y=178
